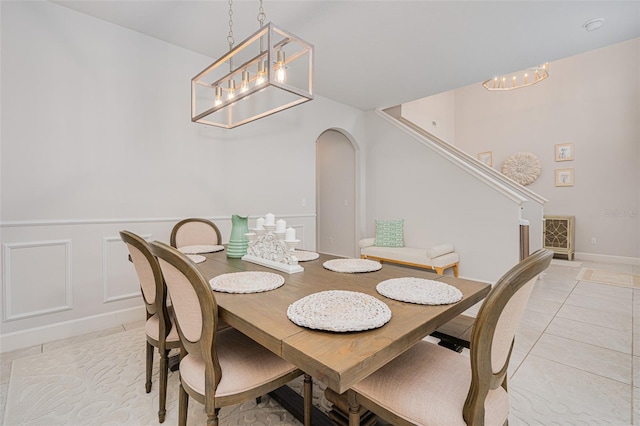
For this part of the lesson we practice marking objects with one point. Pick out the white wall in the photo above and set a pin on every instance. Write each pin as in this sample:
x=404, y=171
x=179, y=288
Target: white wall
x=96, y=137
x=590, y=100
x=439, y=202
x=436, y=114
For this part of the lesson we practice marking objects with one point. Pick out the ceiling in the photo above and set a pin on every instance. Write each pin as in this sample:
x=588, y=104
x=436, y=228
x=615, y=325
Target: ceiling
x=376, y=54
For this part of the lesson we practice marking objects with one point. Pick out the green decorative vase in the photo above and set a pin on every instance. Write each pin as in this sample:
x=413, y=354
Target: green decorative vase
x=238, y=243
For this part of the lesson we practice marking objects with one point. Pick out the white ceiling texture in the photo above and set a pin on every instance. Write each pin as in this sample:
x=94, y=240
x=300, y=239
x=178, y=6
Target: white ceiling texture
x=376, y=54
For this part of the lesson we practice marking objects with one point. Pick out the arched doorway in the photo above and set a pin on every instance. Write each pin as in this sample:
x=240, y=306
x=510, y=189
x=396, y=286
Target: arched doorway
x=336, y=194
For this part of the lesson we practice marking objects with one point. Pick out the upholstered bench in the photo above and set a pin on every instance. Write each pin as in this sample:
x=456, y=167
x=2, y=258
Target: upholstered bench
x=436, y=258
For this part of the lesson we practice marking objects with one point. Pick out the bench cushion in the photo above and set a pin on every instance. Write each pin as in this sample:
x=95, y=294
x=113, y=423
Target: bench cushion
x=411, y=255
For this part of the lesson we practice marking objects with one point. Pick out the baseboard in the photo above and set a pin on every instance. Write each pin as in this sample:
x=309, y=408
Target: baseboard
x=608, y=259
x=49, y=333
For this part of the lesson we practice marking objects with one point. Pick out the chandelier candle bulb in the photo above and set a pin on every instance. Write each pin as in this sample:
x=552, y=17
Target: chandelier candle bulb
x=281, y=225
x=260, y=79
x=260, y=223
x=281, y=72
x=232, y=89
x=290, y=234
x=245, y=82
x=218, y=100
x=270, y=219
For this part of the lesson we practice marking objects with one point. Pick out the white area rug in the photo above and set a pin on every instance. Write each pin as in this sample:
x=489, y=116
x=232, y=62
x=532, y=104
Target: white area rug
x=102, y=382
x=609, y=277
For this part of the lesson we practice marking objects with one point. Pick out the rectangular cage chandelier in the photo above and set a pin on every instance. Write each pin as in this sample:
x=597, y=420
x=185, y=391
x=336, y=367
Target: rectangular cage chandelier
x=270, y=71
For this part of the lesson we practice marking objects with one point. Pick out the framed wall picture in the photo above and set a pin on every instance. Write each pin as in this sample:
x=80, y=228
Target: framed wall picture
x=486, y=158
x=564, y=177
x=564, y=152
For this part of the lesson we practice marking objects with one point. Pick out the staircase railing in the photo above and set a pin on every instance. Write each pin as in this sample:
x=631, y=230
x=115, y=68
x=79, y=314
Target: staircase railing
x=492, y=177
x=481, y=171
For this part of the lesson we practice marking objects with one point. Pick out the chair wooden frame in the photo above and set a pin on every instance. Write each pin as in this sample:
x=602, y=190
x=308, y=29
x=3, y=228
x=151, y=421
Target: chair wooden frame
x=483, y=377
x=205, y=347
x=158, y=307
x=177, y=226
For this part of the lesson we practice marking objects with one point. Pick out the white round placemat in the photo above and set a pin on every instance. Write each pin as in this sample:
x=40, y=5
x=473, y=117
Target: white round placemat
x=339, y=310
x=419, y=290
x=246, y=282
x=196, y=258
x=352, y=266
x=201, y=248
x=305, y=256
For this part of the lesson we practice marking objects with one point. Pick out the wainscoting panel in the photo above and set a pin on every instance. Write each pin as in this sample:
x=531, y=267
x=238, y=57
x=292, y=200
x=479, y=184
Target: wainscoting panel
x=300, y=236
x=119, y=278
x=62, y=278
x=37, y=278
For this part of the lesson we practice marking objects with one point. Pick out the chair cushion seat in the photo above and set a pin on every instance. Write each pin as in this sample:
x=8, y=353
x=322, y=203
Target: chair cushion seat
x=428, y=385
x=152, y=328
x=245, y=365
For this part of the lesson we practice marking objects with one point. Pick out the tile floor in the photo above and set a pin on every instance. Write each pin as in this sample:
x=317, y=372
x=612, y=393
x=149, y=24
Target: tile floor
x=576, y=358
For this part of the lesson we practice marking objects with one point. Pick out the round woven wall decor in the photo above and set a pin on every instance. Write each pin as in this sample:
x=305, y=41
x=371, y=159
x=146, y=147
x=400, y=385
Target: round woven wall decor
x=523, y=167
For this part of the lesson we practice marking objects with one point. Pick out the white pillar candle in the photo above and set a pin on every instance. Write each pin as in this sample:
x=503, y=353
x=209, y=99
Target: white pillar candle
x=281, y=225
x=290, y=234
x=270, y=219
x=260, y=223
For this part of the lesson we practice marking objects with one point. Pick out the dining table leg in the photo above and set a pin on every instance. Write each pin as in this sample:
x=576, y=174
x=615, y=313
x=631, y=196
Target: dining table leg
x=339, y=414
x=293, y=402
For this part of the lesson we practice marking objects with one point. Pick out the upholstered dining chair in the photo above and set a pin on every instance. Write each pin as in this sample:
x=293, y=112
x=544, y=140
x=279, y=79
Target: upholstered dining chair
x=159, y=327
x=432, y=385
x=217, y=367
x=195, y=231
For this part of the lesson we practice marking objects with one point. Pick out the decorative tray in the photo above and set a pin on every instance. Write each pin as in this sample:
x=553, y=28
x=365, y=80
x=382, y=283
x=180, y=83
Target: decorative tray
x=246, y=282
x=352, y=266
x=201, y=248
x=305, y=256
x=196, y=258
x=419, y=290
x=339, y=310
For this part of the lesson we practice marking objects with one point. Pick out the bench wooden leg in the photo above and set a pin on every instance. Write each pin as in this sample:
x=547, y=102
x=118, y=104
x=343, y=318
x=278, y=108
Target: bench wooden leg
x=441, y=270
x=438, y=270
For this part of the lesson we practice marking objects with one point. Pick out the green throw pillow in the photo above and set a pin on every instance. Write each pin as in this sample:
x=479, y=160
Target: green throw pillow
x=389, y=233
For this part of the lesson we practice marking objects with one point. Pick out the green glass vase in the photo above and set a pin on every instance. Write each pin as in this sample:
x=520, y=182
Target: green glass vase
x=238, y=243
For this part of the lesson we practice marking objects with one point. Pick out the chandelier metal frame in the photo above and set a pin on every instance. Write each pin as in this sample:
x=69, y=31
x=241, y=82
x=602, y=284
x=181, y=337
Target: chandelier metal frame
x=271, y=78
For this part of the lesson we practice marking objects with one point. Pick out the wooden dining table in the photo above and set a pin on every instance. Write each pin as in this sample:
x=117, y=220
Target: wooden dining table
x=337, y=359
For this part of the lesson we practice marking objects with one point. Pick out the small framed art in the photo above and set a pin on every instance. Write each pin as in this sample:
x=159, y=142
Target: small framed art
x=564, y=152
x=564, y=177
x=486, y=158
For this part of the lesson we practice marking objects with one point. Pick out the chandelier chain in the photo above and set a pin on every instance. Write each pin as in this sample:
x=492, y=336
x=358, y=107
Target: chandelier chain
x=230, y=38
x=261, y=15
